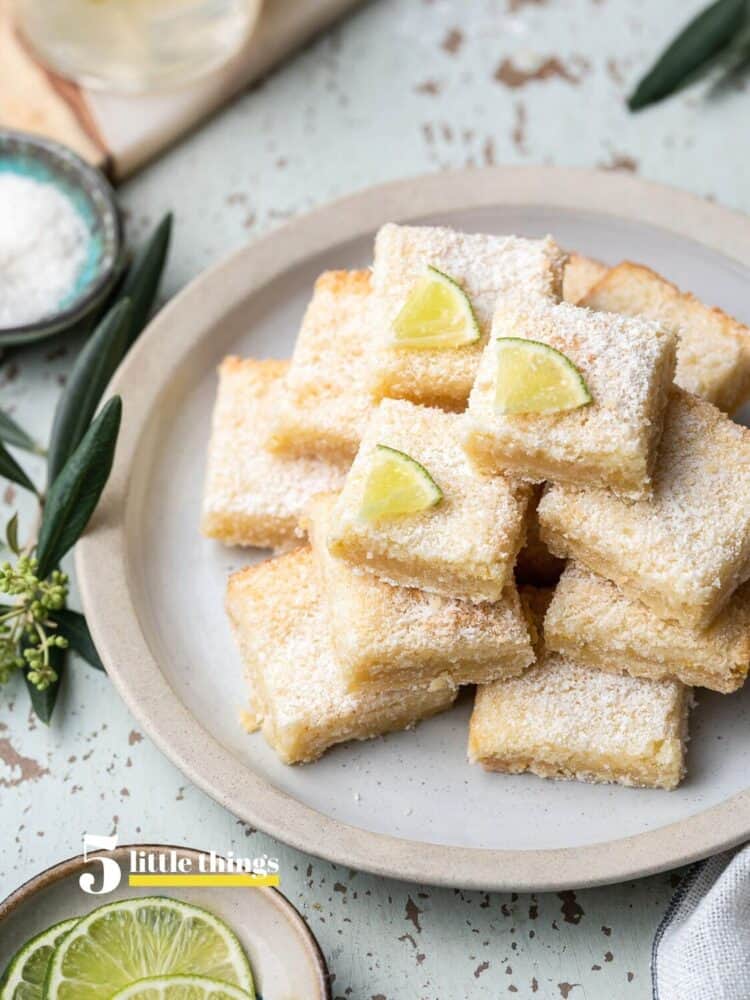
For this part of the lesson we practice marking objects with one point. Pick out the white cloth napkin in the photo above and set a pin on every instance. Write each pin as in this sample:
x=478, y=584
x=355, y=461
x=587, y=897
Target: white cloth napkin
x=702, y=947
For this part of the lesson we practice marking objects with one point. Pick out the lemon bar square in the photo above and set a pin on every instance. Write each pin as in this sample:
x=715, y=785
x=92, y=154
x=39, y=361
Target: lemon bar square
x=251, y=496
x=399, y=637
x=684, y=550
x=326, y=398
x=486, y=267
x=560, y=719
x=466, y=546
x=297, y=689
x=628, y=366
x=580, y=275
x=593, y=622
x=713, y=353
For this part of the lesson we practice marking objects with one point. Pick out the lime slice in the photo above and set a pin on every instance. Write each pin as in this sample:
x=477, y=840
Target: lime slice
x=181, y=988
x=397, y=485
x=437, y=315
x=27, y=970
x=536, y=378
x=138, y=938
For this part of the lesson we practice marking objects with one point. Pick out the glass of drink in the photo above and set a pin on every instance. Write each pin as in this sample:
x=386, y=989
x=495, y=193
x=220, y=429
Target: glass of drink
x=133, y=46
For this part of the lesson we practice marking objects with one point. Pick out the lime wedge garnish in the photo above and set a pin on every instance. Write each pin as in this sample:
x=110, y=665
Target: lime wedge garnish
x=535, y=378
x=27, y=970
x=134, y=939
x=180, y=988
x=397, y=485
x=437, y=314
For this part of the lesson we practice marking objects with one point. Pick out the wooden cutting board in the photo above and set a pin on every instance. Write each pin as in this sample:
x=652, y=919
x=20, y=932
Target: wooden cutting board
x=120, y=134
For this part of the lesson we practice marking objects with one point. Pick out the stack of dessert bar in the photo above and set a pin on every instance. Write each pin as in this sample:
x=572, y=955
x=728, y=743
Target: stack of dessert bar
x=626, y=521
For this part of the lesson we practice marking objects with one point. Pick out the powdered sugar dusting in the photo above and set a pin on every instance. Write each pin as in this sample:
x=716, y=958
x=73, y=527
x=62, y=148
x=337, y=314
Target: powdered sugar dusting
x=627, y=364
x=687, y=544
x=560, y=702
x=326, y=401
x=487, y=268
x=387, y=629
x=473, y=534
x=244, y=479
x=282, y=623
x=590, y=615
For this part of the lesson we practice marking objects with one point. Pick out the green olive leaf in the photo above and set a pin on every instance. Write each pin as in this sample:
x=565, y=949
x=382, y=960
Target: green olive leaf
x=11, y=535
x=72, y=626
x=10, y=469
x=732, y=62
x=142, y=281
x=690, y=52
x=75, y=492
x=14, y=435
x=92, y=371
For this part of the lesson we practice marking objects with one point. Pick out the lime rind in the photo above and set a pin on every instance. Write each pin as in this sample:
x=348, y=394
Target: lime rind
x=180, y=988
x=533, y=377
x=25, y=974
x=437, y=315
x=165, y=937
x=397, y=486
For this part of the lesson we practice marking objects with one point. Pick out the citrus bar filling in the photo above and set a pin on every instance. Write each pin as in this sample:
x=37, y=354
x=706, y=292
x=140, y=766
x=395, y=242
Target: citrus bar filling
x=684, y=550
x=251, y=496
x=713, y=355
x=325, y=401
x=627, y=366
x=463, y=547
x=298, y=691
x=594, y=623
x=484, y=267
x=561, y=719
x=390, y=637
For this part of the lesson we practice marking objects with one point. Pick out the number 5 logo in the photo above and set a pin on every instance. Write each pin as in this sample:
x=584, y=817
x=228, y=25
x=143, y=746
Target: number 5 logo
x=111, y=873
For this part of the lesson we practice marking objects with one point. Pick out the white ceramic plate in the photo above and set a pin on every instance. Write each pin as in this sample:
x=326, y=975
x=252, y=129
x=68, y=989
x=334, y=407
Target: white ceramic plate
x=285, y=957
x=409, y=805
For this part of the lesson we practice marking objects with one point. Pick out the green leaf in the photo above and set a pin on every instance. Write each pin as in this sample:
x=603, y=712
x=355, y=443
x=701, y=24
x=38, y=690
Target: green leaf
x=732, y=61
x=12, y=434
x=142, y=281
x=75, y=492
x=11, y=535
x=90, y=376
x=72, y=625
x=695, y=46
x=43, y=702
x=10, y=469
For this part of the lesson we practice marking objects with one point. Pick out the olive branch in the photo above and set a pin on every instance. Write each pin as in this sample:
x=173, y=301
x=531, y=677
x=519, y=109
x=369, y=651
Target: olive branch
x=36, y=628
x=716, y=40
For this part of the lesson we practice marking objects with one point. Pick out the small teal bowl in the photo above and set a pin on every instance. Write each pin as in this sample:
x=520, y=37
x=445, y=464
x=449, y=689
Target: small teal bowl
x=93, y=198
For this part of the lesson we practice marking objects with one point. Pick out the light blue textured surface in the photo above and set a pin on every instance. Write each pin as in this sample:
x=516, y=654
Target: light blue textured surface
x=402, y=87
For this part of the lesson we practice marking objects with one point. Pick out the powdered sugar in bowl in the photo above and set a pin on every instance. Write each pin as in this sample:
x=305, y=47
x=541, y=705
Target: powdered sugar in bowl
x=60, y=238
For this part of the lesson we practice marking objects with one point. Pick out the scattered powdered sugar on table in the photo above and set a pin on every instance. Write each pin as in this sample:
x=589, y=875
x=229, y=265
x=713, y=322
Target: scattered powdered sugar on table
x=42, y=249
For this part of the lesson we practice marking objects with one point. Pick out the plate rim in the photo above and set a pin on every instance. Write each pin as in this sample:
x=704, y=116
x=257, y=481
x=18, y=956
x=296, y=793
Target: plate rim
x=102, y=554
x=77, y=864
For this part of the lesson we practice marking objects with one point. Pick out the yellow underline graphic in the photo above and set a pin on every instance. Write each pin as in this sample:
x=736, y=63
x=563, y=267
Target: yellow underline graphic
x=201, y=881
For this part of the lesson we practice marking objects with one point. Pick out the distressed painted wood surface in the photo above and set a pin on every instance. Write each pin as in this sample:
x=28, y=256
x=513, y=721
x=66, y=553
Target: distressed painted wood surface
x=402, y=87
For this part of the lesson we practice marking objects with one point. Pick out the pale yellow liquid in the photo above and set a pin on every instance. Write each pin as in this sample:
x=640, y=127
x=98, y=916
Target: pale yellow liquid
x=135, y=45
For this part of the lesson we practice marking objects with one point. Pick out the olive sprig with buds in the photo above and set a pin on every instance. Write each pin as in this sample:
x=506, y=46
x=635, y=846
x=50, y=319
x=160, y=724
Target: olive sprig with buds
x=27, y=624
x=36, y=627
